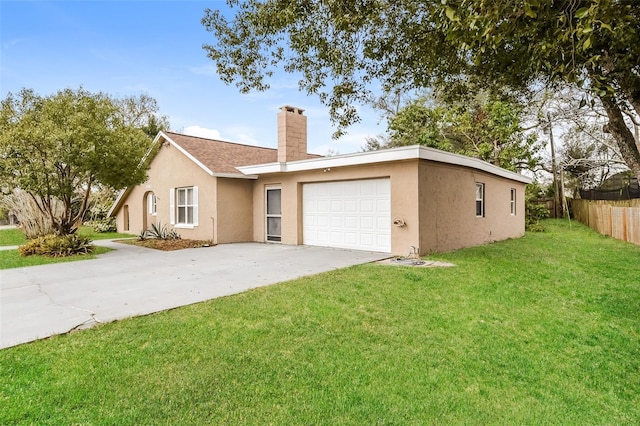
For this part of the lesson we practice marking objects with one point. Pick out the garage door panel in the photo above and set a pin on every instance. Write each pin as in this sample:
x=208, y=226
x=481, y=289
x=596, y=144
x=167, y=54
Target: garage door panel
x=367, y=239
x=351, y=222
x=383, y=205
x=368, y=188
x=383, y=224
x=322, y=205
x=348, y=214
x=351, y=205
x=366, y=205
x=351, y=237
x=366, y=223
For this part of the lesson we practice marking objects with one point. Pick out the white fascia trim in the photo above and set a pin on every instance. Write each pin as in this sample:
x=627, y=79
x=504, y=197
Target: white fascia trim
x=371, y=157
x=116, y=202
x=202, y=166
x=462, y=160
x=234, y=176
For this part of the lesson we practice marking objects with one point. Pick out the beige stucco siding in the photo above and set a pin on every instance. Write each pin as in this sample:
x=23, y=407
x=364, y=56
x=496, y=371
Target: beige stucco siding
x=435, y=201
x=170, y=169
x=234, y=211
x=404, y=199
x=432, y=203
x=447, y=208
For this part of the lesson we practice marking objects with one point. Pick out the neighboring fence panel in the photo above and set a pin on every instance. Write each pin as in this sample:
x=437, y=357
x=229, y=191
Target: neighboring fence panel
x=617, y=219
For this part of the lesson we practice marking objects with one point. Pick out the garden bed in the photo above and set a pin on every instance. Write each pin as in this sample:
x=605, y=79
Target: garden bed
x=168, y=245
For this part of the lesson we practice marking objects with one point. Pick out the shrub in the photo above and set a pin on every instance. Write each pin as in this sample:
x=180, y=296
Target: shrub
x=535, y=213
x=536, y=227
x=103, y=225
x=57, y=246
x=161, y=232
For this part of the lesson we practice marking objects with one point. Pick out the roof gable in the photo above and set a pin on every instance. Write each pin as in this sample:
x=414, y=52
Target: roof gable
x=220, y=157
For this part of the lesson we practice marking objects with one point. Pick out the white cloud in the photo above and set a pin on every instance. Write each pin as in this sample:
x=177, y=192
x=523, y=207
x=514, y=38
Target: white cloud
x=201, y=132
x=245, y=135
x=208, y=70
x=347, y=144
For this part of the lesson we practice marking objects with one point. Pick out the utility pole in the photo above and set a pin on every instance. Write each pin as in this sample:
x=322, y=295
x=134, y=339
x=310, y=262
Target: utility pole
x=557, y=207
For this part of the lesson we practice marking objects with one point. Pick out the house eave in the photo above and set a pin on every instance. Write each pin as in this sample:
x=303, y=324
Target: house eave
x=412, y=152
x=118, y=202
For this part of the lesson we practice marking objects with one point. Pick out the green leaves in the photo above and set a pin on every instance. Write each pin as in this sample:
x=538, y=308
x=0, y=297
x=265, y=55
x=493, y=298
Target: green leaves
x=451, y=14
x=582, y=13
x=344, y=52
x=57, y=147
x=489, y=130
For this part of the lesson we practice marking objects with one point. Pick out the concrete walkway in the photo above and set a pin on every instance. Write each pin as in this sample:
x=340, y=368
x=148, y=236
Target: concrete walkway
x=42, y=301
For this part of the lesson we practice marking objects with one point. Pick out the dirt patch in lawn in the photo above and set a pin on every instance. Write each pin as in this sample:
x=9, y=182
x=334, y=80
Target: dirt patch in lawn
x=168, y=245
x=416, y=263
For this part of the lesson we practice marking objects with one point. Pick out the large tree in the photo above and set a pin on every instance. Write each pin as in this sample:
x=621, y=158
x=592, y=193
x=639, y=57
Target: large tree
x=484, y=128
x=57, y=148
x=344, y=50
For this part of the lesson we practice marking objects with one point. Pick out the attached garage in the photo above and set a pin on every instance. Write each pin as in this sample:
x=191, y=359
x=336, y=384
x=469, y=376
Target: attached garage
x=353, y=214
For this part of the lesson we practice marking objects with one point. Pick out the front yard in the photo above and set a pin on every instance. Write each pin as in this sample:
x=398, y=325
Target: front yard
x=15, y=237
x=539, y=330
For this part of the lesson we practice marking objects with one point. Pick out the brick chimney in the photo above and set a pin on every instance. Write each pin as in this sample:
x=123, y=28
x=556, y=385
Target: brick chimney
x=292, y=134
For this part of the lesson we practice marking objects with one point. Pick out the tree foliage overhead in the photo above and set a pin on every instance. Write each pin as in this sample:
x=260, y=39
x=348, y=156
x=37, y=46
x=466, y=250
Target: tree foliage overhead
x=343, y=50
x=485, y=129
x=57, y=148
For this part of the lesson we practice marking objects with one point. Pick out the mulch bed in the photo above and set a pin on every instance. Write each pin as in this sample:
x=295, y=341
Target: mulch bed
x=168, y=245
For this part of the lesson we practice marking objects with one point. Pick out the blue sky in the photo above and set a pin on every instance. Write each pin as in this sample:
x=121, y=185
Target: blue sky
x=148, y=46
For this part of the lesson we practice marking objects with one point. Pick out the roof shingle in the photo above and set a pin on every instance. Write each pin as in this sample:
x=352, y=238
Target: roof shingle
x=223, y=157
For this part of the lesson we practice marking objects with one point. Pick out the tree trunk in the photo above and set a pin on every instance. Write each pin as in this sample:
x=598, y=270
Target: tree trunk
x=557, y=207
x=623, y=136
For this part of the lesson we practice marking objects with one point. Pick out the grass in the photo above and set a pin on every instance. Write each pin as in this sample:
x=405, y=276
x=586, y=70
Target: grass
x=540, y=330
x=87, y=231
x=11, y=237
x=15, y=237
x=12, y=258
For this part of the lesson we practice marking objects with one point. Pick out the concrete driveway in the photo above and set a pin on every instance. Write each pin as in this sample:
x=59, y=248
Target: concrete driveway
x=42, y=301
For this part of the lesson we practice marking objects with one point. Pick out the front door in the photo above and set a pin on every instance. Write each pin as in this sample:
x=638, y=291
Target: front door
x=274, y=214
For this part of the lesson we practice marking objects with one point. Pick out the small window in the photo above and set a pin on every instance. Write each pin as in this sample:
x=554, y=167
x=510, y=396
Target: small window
x=184, y=206
x=153, y=204
x=513, y=201
x=125, y=218
x=479, y=199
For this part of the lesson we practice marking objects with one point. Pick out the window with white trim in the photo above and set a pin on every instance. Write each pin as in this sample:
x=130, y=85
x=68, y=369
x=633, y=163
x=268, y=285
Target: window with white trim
x=184, y=206
x=153, y=204
x=513, y=201
x=479, y=199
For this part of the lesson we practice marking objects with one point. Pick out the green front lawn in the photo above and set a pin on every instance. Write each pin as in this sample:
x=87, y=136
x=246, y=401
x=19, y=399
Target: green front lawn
x=540, y=330
x=12, y=259
x=15, y=237
x=11, y=237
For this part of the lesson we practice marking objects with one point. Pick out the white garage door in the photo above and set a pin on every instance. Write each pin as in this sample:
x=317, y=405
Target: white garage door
x=348, y=214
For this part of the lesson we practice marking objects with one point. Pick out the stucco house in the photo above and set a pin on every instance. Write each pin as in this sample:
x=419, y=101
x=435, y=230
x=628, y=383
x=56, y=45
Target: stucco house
x=397, y=200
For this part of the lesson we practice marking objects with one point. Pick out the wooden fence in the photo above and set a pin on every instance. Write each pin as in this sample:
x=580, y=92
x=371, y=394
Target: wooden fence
x=617, y=219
